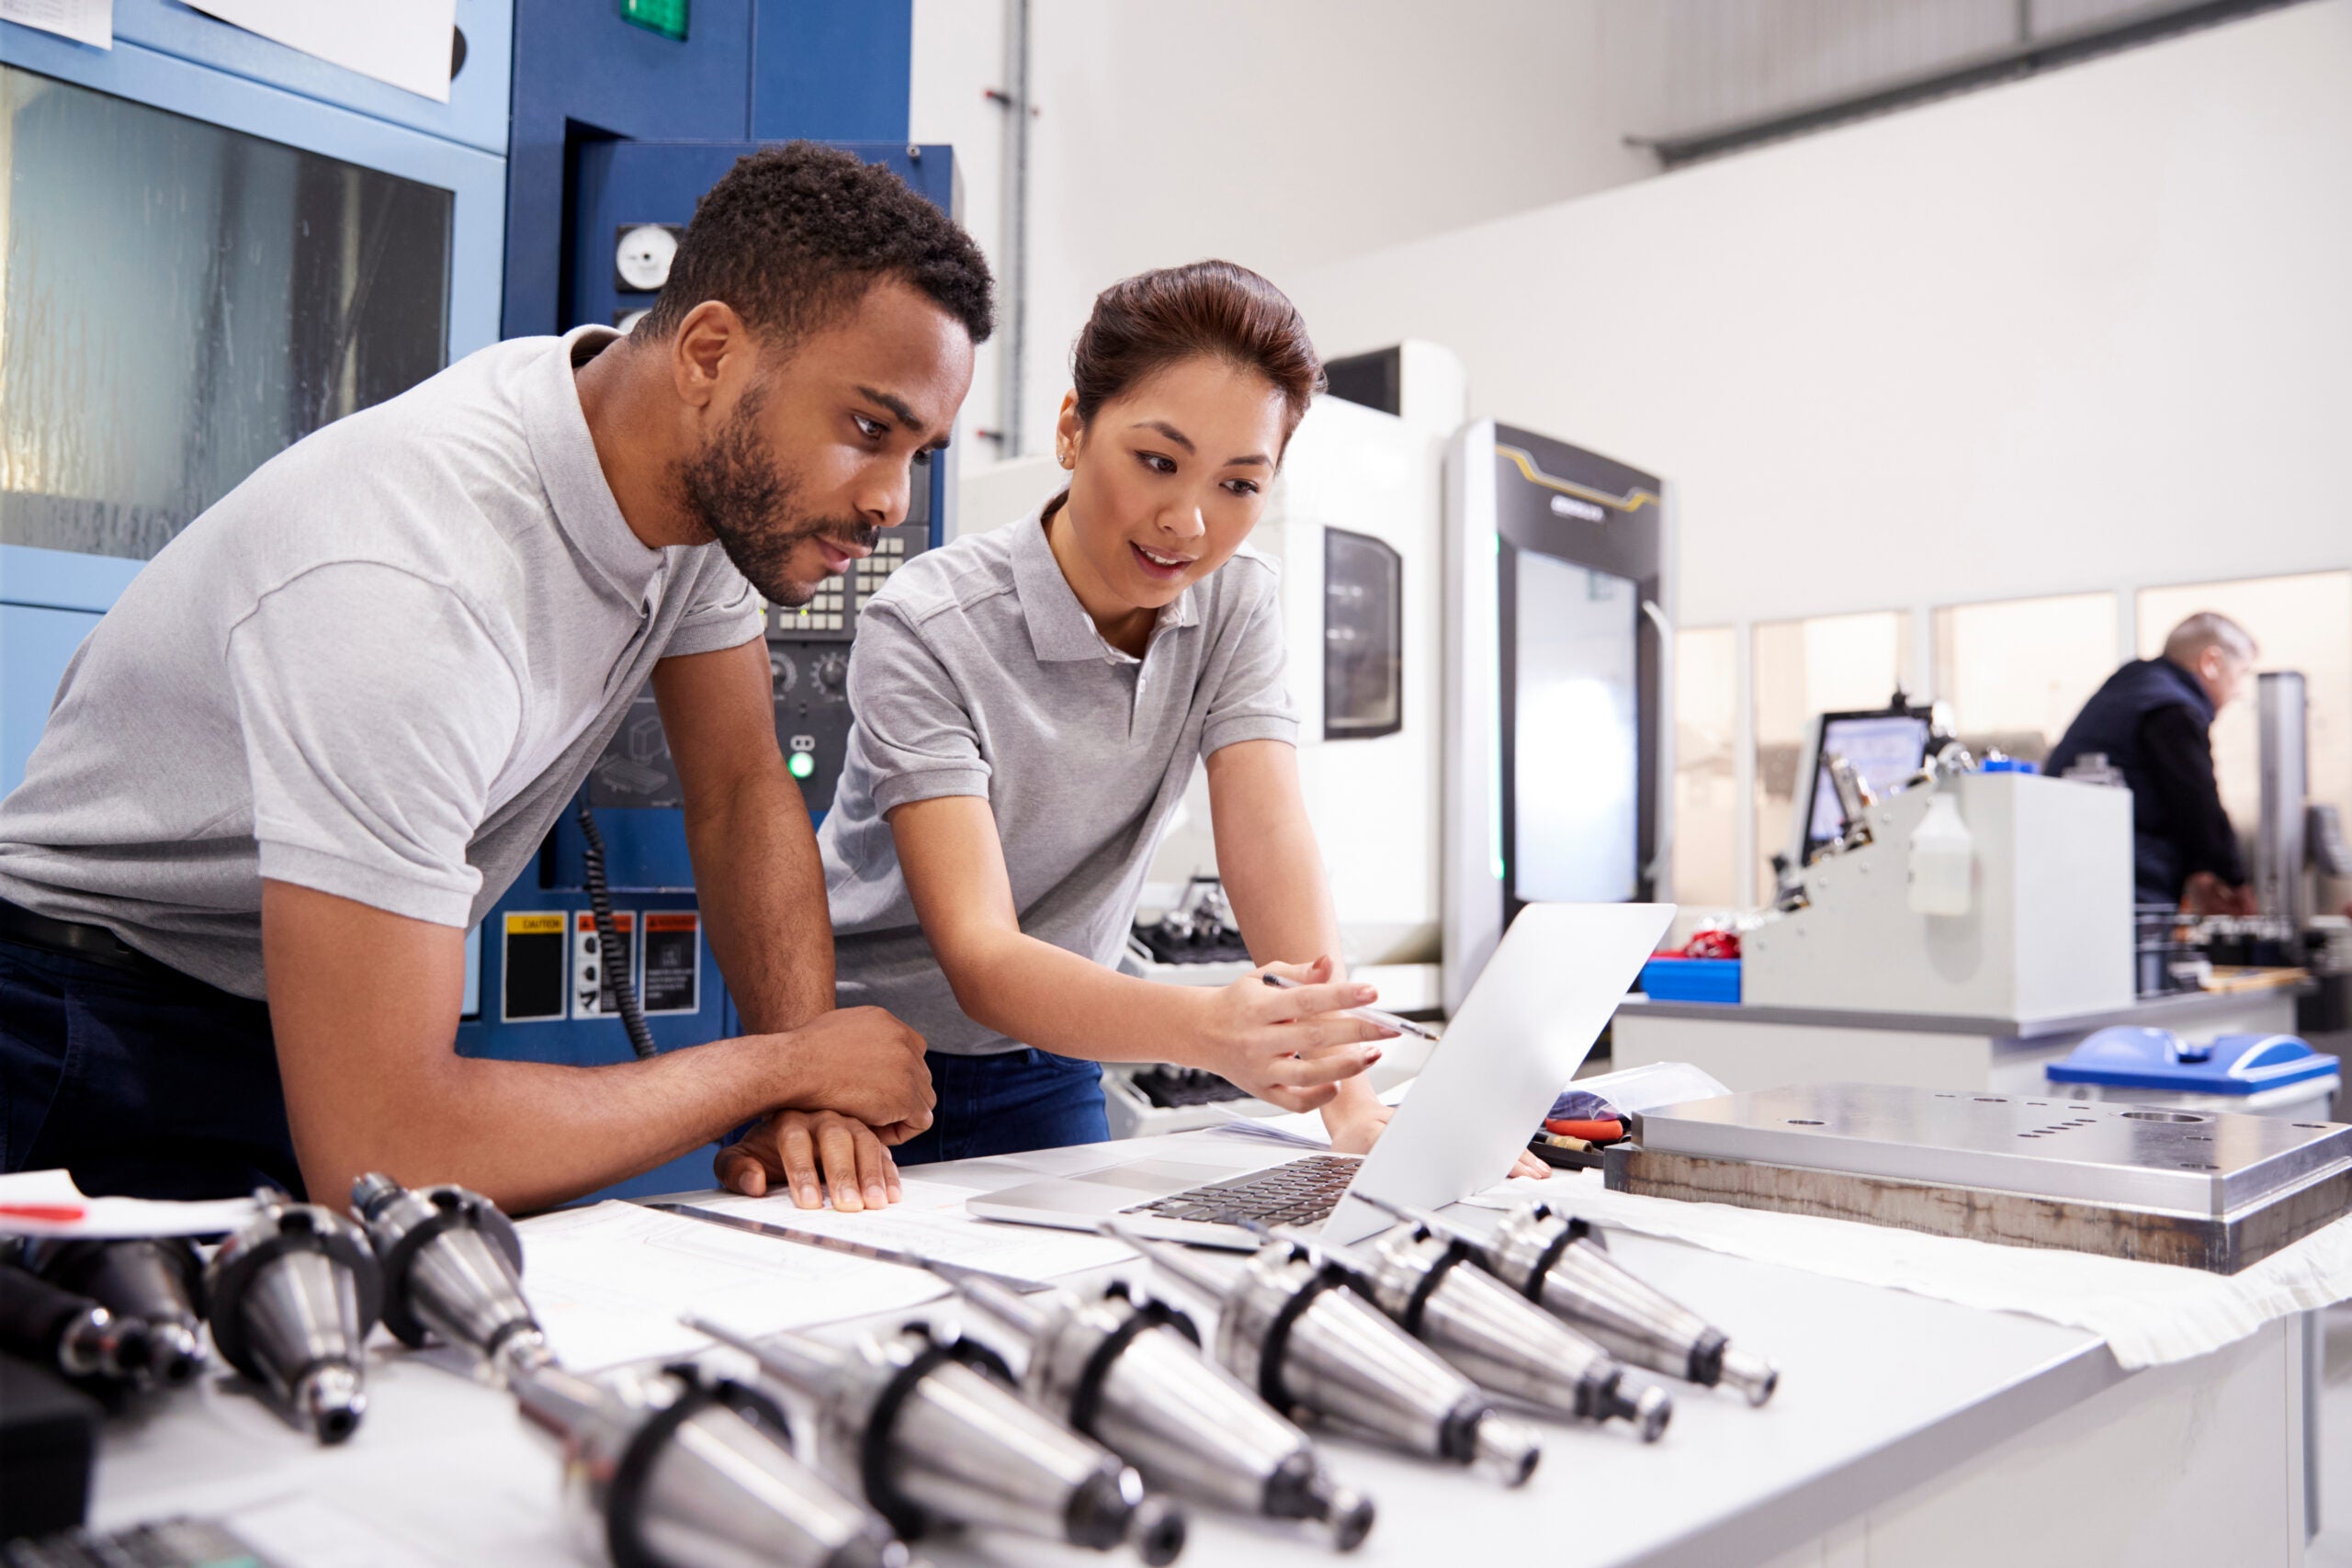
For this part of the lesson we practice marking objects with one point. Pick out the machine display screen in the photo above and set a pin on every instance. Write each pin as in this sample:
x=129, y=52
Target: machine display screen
x=1575, y=775
x=1885, y=750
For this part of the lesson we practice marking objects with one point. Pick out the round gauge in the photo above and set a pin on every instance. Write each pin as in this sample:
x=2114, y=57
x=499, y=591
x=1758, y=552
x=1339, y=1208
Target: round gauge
x=643, y=257
x=625, y=322
x=830, y=675
x=786, y=672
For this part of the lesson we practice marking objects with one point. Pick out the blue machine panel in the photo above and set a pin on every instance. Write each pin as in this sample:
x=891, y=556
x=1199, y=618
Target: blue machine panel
x=475, y=114
x=614, y=126
x=625, y=184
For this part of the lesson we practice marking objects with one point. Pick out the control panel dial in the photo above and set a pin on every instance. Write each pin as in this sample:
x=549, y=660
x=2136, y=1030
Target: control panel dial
x=829, y=675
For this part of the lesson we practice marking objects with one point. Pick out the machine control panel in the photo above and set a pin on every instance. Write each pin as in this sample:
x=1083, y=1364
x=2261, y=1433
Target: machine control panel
x=809, y=660
x=809, y=648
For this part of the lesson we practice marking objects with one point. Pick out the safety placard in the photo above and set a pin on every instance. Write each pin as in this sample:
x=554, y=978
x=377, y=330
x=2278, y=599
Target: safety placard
x=594, y=970
x=531, y=977
x=671, y=967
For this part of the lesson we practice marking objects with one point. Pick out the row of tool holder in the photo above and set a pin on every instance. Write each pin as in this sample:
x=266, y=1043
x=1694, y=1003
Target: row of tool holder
x=1112, y=1414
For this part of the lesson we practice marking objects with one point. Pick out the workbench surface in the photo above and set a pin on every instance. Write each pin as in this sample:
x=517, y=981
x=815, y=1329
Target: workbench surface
x=1882, y=1392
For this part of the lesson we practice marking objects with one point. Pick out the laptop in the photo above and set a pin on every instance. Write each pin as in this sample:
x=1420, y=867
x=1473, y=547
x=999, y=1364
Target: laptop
x=1520, y=1035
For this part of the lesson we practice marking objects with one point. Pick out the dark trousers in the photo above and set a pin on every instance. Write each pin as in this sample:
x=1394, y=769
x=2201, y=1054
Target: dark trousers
x=146, y=1084
x=1007, y=1103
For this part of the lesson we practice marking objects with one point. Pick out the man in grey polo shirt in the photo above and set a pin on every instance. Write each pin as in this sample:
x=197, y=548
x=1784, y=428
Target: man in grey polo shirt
x=326, y=728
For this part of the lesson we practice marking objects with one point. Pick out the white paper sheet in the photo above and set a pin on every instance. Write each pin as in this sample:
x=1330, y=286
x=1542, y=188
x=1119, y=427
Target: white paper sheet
x=2149, y=1314
x=931, y=1222
x=302, y=1527
x=84, y=21
x=405, y=43
x=609, y=1282
x=25, y=1193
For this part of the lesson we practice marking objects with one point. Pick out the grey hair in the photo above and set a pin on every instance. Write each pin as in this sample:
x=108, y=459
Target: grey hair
x=2209, y=628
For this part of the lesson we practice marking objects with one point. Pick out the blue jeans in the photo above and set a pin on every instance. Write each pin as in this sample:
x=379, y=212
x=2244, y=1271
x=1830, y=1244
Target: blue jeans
x=1006, y=1103
x=140, y=1084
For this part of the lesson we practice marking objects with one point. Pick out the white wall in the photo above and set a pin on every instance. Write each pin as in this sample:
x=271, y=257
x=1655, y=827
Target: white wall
x=1280, y=136
x=2085, y=331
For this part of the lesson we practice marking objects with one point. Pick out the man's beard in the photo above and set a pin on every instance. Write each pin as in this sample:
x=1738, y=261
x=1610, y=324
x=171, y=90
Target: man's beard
x=735, y=490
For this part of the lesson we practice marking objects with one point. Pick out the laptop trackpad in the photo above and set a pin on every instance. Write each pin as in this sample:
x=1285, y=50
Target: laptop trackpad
x=1160, y=1176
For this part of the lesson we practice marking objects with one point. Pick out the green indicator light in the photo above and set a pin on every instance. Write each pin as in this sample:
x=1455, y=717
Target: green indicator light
x=667, y=17
x=801, y=763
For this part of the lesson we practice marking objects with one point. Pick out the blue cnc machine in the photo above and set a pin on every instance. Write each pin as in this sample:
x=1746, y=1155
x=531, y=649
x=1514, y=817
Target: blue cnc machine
x=578, y=135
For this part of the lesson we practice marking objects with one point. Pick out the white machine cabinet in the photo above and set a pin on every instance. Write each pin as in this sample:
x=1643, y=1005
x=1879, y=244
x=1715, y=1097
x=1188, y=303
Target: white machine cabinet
x=2047, y=932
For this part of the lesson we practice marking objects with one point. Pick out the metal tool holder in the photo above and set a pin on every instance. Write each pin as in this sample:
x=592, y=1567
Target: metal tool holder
x=2210, y=1190
x=681, y=1471
x=453, y=1269
x=1429, y=1284
x=928, y=1428
x=1293, y=1326
x=1561, y=1265
x=292, y=1297
x=159, y=1280
x=1127, y=1371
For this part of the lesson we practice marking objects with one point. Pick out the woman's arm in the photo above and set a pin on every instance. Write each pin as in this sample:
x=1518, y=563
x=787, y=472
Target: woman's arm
x=1273, y=877
x=1288, y=1046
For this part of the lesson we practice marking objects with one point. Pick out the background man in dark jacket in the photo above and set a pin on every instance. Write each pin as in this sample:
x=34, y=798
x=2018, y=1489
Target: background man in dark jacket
x=2154, y=719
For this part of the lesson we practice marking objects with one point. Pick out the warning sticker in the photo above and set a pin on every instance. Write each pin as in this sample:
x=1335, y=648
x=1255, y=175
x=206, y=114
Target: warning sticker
x=594, y=970
x=671, y=975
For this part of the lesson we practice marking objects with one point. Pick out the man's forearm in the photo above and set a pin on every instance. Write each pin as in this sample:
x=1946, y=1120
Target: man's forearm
x=762, y=889
x=531, y=1135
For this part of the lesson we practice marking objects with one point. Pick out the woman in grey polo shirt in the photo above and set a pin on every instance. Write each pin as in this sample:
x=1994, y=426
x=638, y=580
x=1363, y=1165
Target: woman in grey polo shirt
x=1030, y=705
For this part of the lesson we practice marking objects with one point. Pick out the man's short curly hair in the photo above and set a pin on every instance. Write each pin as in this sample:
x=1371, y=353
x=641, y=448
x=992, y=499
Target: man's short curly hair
x=792, y=236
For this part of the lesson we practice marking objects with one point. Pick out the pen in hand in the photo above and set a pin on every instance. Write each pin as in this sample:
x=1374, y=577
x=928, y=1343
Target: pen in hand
x=1370, y=1015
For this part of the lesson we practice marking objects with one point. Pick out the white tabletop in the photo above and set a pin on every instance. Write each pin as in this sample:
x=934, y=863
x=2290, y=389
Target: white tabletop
x=1880, y=1392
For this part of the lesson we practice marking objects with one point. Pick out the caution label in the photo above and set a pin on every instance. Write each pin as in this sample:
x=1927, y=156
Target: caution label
x=531, y=970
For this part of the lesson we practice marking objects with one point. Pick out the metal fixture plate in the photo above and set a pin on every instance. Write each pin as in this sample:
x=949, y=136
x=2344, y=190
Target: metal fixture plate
x=2191, y=1163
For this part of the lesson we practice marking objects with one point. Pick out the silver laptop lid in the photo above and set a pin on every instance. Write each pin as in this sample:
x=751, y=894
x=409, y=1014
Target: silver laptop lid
x=1523, y=1032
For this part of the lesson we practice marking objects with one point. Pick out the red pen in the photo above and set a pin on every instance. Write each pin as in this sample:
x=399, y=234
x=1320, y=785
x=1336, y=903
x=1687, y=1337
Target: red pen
x=48, y=1213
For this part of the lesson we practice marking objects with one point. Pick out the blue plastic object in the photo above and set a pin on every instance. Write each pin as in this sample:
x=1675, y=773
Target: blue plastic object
x=2011, y=765
x=2126, y=1057
x=1692, y=979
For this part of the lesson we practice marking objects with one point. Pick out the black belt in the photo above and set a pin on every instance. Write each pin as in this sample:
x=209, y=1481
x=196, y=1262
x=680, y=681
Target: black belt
x=95, y=943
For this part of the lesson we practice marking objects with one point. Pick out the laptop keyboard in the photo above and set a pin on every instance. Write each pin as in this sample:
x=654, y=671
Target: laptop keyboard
x=1302, y=1192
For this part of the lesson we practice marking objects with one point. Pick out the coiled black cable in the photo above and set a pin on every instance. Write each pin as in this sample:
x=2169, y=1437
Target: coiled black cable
x=609, y=945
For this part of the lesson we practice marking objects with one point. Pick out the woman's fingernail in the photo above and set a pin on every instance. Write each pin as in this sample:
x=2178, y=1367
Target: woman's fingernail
x=811, y=1198
x=1371, y=1055
x=1366, y=994
x=875, y=1197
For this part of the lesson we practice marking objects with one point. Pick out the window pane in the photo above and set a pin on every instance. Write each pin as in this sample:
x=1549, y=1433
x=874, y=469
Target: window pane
x=1801, y=669
x=2302, y=622
x=1706, y=795
x=180, y=303
x=2017, y=671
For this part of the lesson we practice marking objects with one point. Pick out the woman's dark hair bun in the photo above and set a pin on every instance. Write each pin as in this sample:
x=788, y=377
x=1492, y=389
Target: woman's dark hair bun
x=1144, y=323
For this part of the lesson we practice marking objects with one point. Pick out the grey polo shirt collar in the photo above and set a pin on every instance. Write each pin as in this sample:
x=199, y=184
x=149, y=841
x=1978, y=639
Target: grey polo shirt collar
x=566, y=456
x=1059, y=629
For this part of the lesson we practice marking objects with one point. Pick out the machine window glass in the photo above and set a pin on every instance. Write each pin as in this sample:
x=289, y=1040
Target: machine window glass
x=1800, y=669
x=2301, y=623
x=1577, y=762
x=2017, y=671
x=1363, y=636
x=1706, y=771
x=180, y=303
